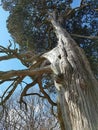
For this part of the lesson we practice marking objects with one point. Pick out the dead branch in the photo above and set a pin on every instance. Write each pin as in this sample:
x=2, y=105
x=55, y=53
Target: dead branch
x=7, y=80
x=36, y=69
x=26, y=58
x=27, y=72
x=8, y=88
x=4, y=99
x=72, y=11
x=45, y=94
x=36, y=94
x=87, y=37
x=24, y=92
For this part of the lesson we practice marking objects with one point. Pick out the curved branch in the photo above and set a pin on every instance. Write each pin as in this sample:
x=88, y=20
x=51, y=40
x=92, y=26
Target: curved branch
x=37, y=94
x=12, y=84
x=11, y=91
x=25, y=58
x=27, y=87
x=45, y=94
x=72, y=11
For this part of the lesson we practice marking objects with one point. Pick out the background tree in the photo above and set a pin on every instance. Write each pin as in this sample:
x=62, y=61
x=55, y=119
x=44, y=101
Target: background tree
x=37, y=117
x=75, y=83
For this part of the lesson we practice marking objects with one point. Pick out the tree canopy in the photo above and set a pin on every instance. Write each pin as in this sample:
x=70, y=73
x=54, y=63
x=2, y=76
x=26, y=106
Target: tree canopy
x=29, y=26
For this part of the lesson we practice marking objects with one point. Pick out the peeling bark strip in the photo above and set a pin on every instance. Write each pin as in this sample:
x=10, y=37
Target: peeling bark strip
x=76, y=85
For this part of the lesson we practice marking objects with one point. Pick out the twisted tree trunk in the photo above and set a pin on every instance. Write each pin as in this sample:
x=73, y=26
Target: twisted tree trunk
x=76, y=85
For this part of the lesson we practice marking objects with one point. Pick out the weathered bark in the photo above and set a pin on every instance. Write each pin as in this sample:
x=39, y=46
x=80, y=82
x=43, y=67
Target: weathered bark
x=76, y=85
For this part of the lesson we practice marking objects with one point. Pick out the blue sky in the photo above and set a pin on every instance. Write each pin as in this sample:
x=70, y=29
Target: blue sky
x=76, y=3
x=4, y=35
x=4, y=41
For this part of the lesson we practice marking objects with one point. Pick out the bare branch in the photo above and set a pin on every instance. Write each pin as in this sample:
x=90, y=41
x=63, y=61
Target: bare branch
x=52, y=111
x=88, y=37
x=96, y=9
x=7, y=80
x=28, y=86
x=6, y=57
x=36, y=69
x=81, y=3
x=27, y=72
x=37, y=94
x=45, y=94
x=70, y=12
x=12, y=84
x=11, y=91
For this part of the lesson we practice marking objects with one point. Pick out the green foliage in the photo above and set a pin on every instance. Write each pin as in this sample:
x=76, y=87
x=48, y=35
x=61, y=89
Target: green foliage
x=28, y=22
x=30, y=28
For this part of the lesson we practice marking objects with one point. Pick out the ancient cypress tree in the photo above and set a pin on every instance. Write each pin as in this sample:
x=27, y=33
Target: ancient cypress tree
x=65, y=59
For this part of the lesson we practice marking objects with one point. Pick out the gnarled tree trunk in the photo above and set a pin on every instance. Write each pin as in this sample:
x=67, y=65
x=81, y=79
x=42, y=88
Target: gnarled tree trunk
x=76, y=85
